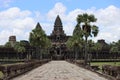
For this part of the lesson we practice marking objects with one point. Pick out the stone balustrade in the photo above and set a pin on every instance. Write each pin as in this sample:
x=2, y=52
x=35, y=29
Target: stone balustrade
x=11, y=71
x=112, y=71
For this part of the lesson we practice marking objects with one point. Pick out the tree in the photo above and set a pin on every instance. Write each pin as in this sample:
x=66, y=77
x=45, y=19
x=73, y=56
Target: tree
x=8, y=45
x=118, y=44
x=90, y=45
x=85, y=21
x=97, y=48
x=19, y=48
x=76, y=38
x=39, y=39
x=76, y=41
x=115, y=49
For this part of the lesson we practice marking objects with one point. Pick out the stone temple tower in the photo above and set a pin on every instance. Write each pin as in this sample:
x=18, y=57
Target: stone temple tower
x=12, y=40
x=58, y=39
x=58, y=34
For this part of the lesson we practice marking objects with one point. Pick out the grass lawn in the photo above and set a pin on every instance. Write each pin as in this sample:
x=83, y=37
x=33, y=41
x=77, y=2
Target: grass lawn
x=1, y=74
x=102, y=63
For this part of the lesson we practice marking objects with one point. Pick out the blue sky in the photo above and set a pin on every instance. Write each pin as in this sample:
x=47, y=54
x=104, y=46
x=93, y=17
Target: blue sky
x=46, y=5
x=19, y=17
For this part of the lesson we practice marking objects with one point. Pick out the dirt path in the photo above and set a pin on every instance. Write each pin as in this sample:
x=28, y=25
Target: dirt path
x=59, y=70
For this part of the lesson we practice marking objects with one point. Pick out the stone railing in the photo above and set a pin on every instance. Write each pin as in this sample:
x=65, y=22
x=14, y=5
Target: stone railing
x=112, y=71
x=11, y=71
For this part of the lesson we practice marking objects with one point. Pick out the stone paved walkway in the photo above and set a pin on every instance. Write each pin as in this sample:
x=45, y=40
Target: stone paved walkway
x=59, y=70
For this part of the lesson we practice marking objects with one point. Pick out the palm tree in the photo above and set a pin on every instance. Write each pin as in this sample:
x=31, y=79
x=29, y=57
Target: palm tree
x=88, y=30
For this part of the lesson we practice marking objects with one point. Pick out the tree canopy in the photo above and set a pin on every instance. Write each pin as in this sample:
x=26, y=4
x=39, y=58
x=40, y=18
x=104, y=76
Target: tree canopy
x=85, y=21
x=19, y=47
x=115, y=47
x=38, y=37
x=76, y=39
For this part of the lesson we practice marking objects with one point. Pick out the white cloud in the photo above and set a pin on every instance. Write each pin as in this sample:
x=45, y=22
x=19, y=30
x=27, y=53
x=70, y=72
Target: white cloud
x=108, y=16
x=108, y=20
x=59, y=9
x=14, y=21
x=38, y=16
x=109, y=23
x=69, y=27
x=4, y=34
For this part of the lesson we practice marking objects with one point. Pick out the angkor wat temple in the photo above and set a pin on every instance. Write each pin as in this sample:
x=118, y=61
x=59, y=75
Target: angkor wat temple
x=57, y=37
x=58, y=50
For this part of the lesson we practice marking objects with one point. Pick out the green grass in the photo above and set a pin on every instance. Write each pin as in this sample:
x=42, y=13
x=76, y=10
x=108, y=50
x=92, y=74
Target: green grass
x=103, y=63
x=1, y=74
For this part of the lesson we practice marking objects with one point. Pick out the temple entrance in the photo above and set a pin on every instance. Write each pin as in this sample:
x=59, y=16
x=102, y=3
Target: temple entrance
x=57, y=54
x=58, y=50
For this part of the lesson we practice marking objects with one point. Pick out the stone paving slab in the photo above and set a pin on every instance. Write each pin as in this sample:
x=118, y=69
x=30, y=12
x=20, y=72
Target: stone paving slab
x=60, y=70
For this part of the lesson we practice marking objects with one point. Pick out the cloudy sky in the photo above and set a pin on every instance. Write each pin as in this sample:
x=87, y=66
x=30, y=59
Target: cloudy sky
x=19, y=17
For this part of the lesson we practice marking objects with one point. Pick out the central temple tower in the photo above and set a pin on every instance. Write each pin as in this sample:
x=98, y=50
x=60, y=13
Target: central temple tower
x=58, y=39
x=58, y=35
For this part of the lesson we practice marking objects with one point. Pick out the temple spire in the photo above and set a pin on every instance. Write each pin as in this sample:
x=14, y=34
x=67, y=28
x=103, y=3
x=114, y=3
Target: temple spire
x=38, y=25
x=58, y=22
x=58, y=28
